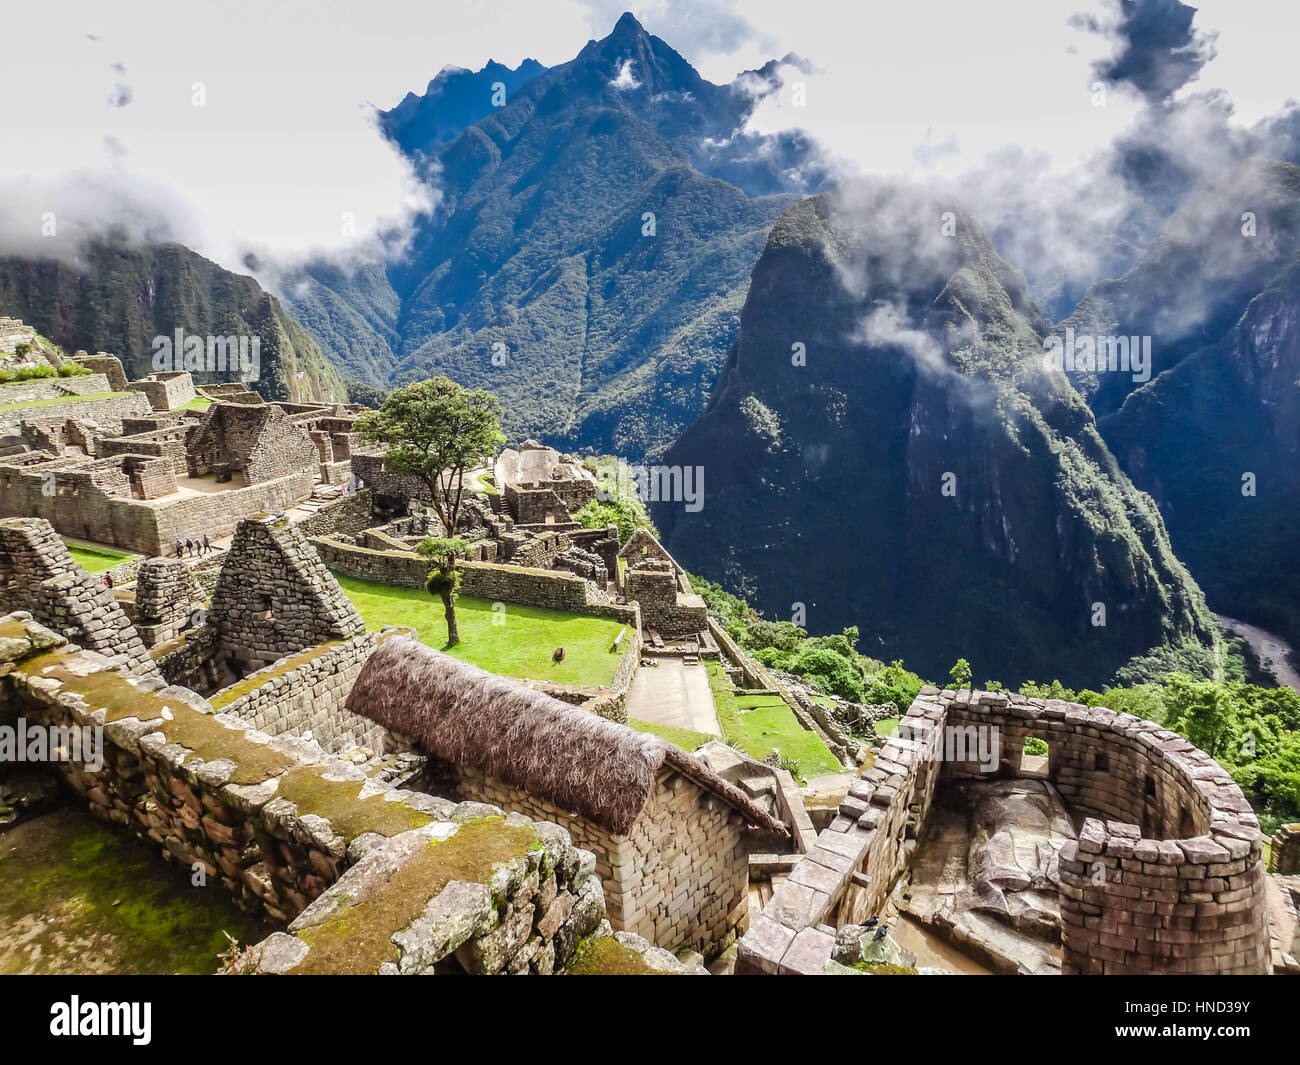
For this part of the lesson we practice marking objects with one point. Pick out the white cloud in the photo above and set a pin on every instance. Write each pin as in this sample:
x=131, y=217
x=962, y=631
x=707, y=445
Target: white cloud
x=282, y=160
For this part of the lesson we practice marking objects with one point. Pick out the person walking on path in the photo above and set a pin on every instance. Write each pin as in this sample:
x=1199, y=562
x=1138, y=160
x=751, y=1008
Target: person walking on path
x=189, y=546
x=207, y=544
x=180, y=548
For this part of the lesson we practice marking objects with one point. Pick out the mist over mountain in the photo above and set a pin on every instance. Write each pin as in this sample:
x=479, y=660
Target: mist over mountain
x=920, y=476
x=1214, y=436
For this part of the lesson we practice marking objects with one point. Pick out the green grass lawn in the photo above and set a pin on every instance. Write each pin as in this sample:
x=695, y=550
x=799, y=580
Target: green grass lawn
x=522, y=646
x=760, y=723
x=54, y=400
x=887, y=726
x=197, y=403
x=95, y=559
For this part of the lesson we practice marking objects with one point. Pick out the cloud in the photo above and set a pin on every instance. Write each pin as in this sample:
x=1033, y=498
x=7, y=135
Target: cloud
x=234, y=127
x=1157, y=49
x=625, y=79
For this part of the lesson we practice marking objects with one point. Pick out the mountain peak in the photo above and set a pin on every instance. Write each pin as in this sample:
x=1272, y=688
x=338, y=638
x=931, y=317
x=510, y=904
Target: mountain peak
x=627, y=27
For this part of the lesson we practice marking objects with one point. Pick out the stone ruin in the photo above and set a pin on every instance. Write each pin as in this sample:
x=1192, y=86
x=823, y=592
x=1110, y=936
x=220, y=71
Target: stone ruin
x=1164, y=874
x=248, y=782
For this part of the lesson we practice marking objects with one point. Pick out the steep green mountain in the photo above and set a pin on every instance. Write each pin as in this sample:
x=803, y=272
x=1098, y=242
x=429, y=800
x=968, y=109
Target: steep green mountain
x=118, y=296
x=1218, y=295
x=883, y=449
x=591, y=246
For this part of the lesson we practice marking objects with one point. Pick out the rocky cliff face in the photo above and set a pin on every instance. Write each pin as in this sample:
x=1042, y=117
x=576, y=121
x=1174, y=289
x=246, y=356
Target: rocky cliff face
x=117, y=297
x=884, y=449
x=1216, y=441
x=1214, y=436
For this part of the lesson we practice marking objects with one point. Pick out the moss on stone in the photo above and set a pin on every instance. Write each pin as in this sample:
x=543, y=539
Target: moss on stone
x=357, y=939
x=83, y=897
x=339, y=802
x=608, y=957
x=202, y=733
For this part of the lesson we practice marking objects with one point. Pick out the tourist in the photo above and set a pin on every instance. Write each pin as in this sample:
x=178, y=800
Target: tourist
x=180, y=548
x=207, y=544
x=189, y=546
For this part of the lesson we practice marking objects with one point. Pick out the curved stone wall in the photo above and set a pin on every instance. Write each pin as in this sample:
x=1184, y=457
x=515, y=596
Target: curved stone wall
x=1165, y=877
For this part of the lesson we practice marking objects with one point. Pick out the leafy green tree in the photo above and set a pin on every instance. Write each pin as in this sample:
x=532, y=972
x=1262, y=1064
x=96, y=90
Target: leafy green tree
x=627, y=514
x=444, y=579
x=437, y=431
x=1203, y=711
x=959, y=675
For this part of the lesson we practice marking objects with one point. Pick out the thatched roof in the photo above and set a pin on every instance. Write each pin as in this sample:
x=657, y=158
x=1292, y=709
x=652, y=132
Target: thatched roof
x=599, y=769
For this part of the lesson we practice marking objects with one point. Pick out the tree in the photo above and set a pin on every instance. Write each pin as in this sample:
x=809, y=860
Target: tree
x=443, y=578
x=959, y=675
x=436, y=430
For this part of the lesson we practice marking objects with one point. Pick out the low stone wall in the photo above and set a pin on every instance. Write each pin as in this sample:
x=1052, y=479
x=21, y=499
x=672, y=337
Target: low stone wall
x=303, y=695
x=107, y=412
x=556, y=589
x=1190, y=900
x=52, y=387
x=347, y=515
x=379, y=880
x=402, y=569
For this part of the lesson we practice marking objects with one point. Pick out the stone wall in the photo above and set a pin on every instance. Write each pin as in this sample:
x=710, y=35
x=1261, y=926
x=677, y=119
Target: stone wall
x=167, y=594
x=379, y=880
x=402, y=569
x=680, y=878
x=167, y=442
x=348, y=515
x=166, y=391
x=107, y=412
x=1184, y=896
x=303, y=695
x=275, y=598
x=38, y=574
x=77, y=506
x=110, y=366
x=664, y=606
x=1284, y=857
x=392, y=491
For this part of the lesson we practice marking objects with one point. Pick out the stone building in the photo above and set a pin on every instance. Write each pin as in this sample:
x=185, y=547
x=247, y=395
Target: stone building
x=274, y=597
x=256, y=442
x=668, y=833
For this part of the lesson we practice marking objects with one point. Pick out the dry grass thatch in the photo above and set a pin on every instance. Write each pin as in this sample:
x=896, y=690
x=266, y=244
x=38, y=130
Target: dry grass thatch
x=600, y=769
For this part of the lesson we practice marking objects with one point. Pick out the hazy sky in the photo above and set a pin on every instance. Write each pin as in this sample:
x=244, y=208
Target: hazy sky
x=103, y=122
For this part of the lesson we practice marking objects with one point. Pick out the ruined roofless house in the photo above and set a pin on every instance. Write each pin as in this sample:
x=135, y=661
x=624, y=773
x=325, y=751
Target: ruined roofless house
x=667, y=832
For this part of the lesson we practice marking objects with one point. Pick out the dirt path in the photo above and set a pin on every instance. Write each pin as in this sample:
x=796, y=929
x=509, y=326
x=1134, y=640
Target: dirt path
x=673, y=694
